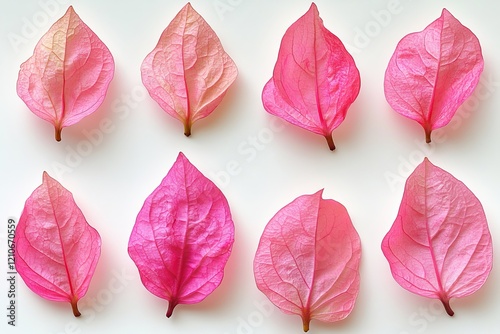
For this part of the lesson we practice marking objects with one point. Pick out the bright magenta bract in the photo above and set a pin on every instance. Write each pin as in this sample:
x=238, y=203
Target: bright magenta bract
x=182, y=237
x=56, y=249
x=315, y=79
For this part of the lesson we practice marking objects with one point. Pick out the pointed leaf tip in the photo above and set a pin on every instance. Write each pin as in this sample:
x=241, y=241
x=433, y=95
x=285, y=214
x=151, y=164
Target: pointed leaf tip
x=315, y=79
x=56, y=249
x=188, y=72
x=182, y=237
x=439, y=246
x=307, y=260
x=314, y=8
x=432, y=72
x=67, y=77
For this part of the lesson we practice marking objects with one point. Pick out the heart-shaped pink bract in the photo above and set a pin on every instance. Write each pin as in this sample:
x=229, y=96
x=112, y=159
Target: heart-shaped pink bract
x=56, y=249
x=439, y=245
x=432, y=72
x=315, y=79
x=68, y=75
x=188, y=72
x=307, y=262
x=182, y=237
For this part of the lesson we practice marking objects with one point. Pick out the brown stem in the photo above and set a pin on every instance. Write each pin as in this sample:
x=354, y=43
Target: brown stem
x=74, y=306
x=428, y=135
x=187, y=129
x=58, y=133
x=305, y=323
x=171, y=305
x=447, y=307
x=329, y=140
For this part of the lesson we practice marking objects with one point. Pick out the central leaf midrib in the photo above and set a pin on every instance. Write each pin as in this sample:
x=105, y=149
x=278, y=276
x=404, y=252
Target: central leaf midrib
x=428, y=119
x=65, y=262
x=309, y=295
x=63, y=91
x=316, y=86
x=188, y=106
x=429, y=240
x=180, y=269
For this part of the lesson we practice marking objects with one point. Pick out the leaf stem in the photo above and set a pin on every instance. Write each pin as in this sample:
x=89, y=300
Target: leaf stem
x=58, y=133
x=428, y=135
x=329, y=140
x=171, y=305
x=187, y=129
x=447, y=307
x=74, y=306
x=305, y=323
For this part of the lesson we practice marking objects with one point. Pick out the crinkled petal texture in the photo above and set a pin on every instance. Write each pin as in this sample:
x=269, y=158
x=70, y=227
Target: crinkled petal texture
x=188, y=72
x=432, y=72
x=307, y=261
x=182, y=237
x=68, y=75
x=56, y=249
x=315, y=79
x=440, y=245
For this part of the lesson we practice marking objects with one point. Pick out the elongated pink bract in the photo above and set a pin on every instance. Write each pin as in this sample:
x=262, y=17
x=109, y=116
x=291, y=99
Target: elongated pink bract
x=432, y=72
x=307, y=262
x=68, y=75
x=188, y=72
x=56, y=249
x=182, y=237
x=440, y=245
x=315, y=79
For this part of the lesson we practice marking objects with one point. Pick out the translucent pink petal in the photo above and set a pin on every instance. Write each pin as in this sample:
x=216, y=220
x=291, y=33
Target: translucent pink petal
x=56, y=249
x=307, y=262
x=439, y=246
x=182, y=237
x=433, y=72
x=68, y=75
x=188, y=72
x=315, y=79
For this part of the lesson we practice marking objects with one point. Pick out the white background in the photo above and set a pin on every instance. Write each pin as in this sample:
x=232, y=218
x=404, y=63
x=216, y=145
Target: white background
x=376, y=150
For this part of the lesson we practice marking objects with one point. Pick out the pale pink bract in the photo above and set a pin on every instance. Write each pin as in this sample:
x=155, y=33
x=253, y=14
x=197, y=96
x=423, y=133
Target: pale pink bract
x=439, y=245
x=68, y=75
x=188, y=72
x=307, y=261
